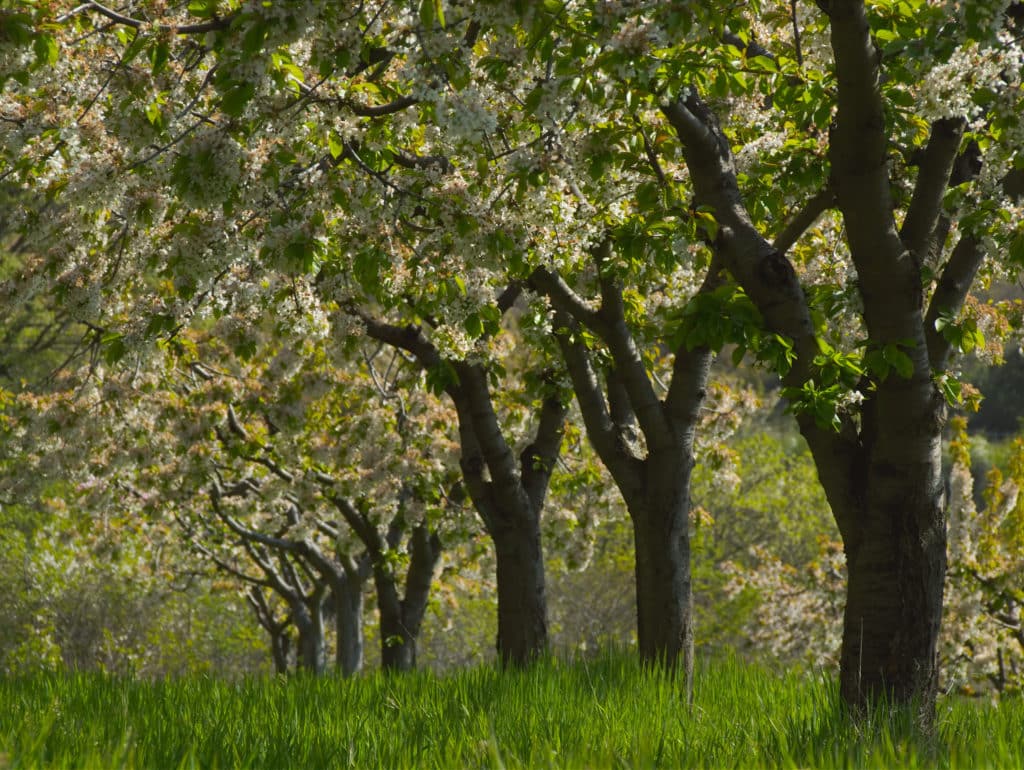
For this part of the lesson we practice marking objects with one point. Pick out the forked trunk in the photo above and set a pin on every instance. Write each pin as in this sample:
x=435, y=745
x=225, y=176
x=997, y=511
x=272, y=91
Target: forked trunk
x=402, y=618
x=522, y=600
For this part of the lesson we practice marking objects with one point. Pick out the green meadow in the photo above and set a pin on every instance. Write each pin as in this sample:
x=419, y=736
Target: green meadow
x=582, y=714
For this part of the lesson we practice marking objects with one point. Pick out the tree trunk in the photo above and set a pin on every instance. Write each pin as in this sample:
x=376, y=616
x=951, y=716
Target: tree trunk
x=664, y=595
x=522, y=601
x=280, y=647
x=397, y=644
x=348, y=625
x=311, y=652
x=897, y=566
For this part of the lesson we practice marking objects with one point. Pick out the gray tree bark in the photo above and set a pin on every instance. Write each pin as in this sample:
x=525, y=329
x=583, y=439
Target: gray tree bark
x=309, y=621
x=347, y=596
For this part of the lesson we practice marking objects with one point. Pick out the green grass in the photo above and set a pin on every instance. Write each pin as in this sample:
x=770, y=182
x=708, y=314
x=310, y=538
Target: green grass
x=605, y=713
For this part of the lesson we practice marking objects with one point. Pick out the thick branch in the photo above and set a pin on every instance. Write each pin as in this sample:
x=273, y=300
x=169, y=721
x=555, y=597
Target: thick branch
x=360, y=524
x=950, y=293
x=537, y=460
x=887, y=273
x=602, y=432
x=771, y=282
x=472, y=464
x=629, y=364
x=379, y=110
x=424, y=554
x=564, y=299
x=501, y=463
x=690, y=371
x=620, y=408
x=409, y=338
x=763, y=272
x=933, y=177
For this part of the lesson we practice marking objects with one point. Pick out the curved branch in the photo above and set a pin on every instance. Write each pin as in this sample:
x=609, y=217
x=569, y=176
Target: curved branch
x=564, y=299
x=794, y=229
x=185, y=29
x=608, y=442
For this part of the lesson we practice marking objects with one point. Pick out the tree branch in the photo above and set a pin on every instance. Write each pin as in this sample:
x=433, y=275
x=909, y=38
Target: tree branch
x=691, y=369
x=629, y=364
x=360, y=524
x=409, y=338
x=604, y=435
x=479, y=409
x=794, y=229
x=886, y=271
x=472, y=465
x=564, y=299
x=771, y=282
x=379, y=110
x=537, y=460
x=185, y=29
x=950, y=294
x=425, y=552
x=933, y=176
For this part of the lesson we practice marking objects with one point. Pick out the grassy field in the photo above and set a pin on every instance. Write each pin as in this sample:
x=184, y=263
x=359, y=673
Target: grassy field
x=598, y=714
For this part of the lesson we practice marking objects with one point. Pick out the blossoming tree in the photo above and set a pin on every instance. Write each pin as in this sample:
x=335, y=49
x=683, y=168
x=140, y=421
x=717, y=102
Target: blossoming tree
x=833, y=176
x=409, y=196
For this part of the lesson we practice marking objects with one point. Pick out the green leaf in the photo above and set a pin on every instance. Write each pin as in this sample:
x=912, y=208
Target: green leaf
x=899, y=360
x=204, y=9
x=707, y=222
x=473, y=325
x=134, y=47
x=877, y=364
x=440, y=376
x=533, y=99
x=114, y=348
x=236, y=97
x=252, y=43
x=46, y=50
x=159, y=55
x=648, y=196
x=428, y=13
x=1015, y=251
